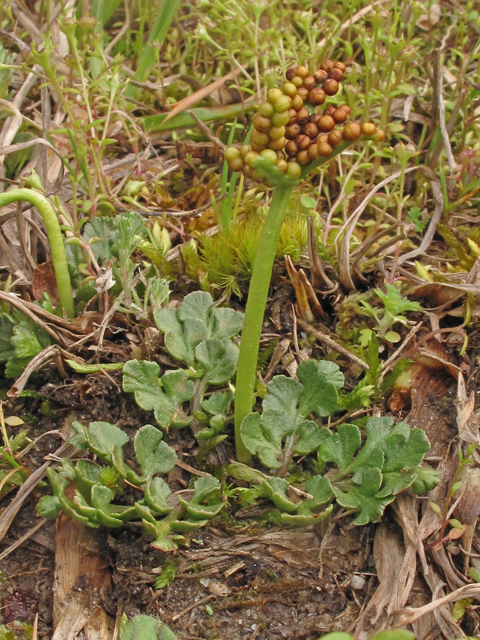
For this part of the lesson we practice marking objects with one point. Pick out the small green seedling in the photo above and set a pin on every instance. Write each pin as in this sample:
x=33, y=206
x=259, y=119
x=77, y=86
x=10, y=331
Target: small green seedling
x=395, y=305
x=21, y=339
x=147, y=628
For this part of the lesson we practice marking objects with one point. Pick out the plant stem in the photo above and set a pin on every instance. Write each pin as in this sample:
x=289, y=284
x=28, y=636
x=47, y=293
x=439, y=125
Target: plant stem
x=55, y=238
x=254, y=312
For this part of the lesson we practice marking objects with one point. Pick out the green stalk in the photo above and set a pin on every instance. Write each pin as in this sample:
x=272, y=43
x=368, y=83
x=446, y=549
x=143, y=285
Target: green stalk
x=260, y=283
x=255, y=309
x=55, y=239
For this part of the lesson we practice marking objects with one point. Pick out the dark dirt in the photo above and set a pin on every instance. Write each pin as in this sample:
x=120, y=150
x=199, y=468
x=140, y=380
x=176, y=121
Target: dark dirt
x=259, y=582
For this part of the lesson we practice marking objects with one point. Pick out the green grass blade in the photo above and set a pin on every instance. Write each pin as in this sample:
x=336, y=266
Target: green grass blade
x=226, y=204
x=158, y=33
x=204, y=114
x=109, y=8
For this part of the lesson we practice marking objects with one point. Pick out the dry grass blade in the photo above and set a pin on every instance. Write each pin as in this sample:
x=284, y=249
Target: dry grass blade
x=79, y=560
x=24, y=307
x=434, y=220
x=349, y=226
x=11, y=128
x=44, y=319
x=35, y=363
x=24, y=538
x=355, y=18
x=408, y=615
x=389, y=554
x=388, y=363
x=19, y=146
x=467, y=421
x=189, y=101
x=203, y=127
x=331, y=344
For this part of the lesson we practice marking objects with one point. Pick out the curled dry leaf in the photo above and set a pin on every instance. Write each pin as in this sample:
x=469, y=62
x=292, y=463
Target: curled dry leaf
x=435, y=293
x=189, y=101
x=467, y=421
x=426, y=360
x=427, y=20
x=308, y=304
x=44, y=281
x=218, y=588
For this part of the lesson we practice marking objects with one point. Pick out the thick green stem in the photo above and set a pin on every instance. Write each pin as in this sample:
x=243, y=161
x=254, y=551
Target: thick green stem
x=254, y=312
x=55, y=238
x=260, y=283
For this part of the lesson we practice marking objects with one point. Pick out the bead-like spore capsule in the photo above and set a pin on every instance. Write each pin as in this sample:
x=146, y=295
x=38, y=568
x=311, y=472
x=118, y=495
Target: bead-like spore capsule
x=269, y=155
x=297, y=102
x=302, y=71
x=329, y=111
x=236, y=164
x=352, y=131
x=309, y=82
x=251, y=158
x=261, y=123
x=280, y=119
x=277, y=144
x=326, y=124
x=291, y=73
x=303, y=142
x=302, y=158
x=273, y=95
x=259, y=137
x=340, y=116
x=316, y=96
x=320, y=76
x=292, y=131
x=313, y=152
x=368, y=129
x=289, y=89
x=330, y=87
x=310, y=130
x=231, y=153
x=324, y=149
x=335, y=137
x=327, y=65
x=294, y=170
x=302, y=116
x=335, y=74
x=379, y=135
x=266, y=109
x=291, y=148
x=276, y=132
x=283, y=103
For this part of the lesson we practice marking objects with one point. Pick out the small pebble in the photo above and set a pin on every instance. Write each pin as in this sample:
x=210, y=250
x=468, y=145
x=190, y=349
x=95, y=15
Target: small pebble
x=357, y=582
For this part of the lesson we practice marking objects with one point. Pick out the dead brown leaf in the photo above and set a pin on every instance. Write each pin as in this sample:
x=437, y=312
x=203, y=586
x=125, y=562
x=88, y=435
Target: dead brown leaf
x=189, y=101
x=44, y=281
